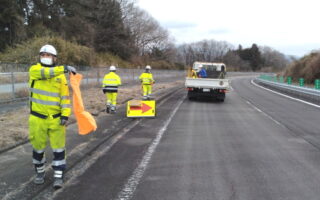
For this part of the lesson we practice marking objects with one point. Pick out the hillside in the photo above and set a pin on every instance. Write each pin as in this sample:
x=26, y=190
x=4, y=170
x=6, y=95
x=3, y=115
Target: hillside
x=68, y=53
x=307, y=67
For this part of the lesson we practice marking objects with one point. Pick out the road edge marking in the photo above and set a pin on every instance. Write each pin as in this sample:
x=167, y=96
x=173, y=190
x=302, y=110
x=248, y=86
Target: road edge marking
x=289, y=97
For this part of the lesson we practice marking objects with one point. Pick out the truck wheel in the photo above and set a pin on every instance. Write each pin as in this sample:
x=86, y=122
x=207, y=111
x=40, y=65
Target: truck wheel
x=190, y=97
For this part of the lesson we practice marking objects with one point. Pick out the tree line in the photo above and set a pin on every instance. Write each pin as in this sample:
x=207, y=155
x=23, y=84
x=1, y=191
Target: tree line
x=242, y=59
x=116, y=26
x=123, y=29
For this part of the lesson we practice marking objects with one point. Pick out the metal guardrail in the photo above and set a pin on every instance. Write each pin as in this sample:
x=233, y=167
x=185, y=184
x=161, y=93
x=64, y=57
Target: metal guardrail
x=293, y=89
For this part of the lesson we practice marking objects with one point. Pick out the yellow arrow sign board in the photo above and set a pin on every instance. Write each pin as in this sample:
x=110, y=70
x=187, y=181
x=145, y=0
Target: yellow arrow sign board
x=137, y=108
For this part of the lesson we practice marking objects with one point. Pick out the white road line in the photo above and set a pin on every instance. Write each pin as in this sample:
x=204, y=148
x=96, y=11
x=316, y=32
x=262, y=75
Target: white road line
x=132, y=183
x=289, y=97
x=248, y=102
x=265, y=114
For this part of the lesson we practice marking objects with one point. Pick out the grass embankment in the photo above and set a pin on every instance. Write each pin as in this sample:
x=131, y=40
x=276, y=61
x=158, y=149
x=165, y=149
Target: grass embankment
x=68, y=53
x=307, y=67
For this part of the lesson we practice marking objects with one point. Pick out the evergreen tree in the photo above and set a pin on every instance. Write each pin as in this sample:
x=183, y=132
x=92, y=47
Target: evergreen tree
x=255, y=60
x=11, y=23
x=111, y=34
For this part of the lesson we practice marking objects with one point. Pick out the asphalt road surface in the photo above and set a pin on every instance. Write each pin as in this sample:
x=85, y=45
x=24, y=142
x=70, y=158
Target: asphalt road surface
x=256, y=145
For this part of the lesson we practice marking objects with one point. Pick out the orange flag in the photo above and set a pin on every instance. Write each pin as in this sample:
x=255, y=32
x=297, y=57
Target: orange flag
x=86, y=122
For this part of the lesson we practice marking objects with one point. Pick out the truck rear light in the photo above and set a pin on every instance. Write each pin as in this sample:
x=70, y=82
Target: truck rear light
x=223, y=91
x=190, y=89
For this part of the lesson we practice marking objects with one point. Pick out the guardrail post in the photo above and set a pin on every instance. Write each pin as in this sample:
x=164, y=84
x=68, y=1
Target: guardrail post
x=301, y=82
x=87, y=78
x=317, y=84
x=281, y=79
x=275, y=79
x=98, y=75
x=289, y=80
x=12, y=82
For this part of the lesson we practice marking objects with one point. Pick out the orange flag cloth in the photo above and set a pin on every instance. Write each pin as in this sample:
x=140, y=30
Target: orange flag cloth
x=86, y=122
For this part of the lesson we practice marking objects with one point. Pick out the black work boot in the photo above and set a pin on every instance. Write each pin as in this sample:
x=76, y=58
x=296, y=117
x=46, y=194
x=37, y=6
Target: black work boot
x=40, y=174
x=108, y=109
x=58, y=179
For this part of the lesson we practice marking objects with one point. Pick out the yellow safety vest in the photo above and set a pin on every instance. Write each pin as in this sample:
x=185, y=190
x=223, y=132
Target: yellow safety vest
x=146, y=78
x=49, y=92
x=111, y=81
x=194, y=74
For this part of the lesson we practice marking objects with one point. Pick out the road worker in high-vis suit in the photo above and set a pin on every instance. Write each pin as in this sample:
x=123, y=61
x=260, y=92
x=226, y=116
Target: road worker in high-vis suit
x=49, y=112
x=147, y=81
x=110, y=84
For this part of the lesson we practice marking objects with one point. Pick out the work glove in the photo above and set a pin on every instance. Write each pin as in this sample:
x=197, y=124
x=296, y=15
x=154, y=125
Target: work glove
x=104, y=90
x=70, y=69
x=63, y=120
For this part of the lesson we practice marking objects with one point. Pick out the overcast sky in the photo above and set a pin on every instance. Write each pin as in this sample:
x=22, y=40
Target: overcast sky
x=289, y=26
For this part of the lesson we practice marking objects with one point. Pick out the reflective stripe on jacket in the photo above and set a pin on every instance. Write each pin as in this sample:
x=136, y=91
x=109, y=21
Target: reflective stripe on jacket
x=146, y=78
x=111, y=81
x=49, y=92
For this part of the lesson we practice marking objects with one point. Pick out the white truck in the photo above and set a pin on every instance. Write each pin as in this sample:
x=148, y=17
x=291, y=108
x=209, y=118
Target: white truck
x=215, y=85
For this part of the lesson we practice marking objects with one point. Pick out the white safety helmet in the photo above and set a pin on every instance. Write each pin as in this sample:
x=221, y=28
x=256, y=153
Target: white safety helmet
x=48, y=49
x=112, y=68
x=148, y=67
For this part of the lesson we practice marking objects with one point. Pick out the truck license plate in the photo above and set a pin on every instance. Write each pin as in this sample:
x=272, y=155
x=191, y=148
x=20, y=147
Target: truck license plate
x=206, y=90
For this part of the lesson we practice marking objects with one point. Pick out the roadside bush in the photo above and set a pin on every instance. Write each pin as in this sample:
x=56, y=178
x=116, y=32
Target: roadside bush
x=107, y=59
x=307, y=67
x=68, y=53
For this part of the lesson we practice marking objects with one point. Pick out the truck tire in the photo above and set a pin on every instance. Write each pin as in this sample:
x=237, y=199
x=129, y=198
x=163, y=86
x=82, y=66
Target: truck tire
x=221, y=97
x=190, y=96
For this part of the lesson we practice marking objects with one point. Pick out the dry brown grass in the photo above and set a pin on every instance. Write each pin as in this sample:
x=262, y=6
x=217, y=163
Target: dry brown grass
x=15, y=124
x=307, y=67
x=14, y=127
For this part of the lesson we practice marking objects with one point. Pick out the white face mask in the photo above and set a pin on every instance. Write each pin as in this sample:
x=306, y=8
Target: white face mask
x=46, y=61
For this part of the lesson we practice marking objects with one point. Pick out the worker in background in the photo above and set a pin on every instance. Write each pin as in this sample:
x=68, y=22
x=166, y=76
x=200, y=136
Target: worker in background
x=223, y=72
x=194, y=73
x=147, y=82
x=49, y=112
x=202, y=72
x=110, y=84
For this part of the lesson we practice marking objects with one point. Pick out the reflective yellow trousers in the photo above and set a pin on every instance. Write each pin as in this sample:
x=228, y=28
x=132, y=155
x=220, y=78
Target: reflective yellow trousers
x=112, y=98
x=147, y=89
x=42, y=129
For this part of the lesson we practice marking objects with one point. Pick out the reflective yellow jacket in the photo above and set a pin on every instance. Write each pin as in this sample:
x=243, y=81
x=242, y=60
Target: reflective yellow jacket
x=111, y=79
x=110, y=83
x=49, y=92
x=146, y=78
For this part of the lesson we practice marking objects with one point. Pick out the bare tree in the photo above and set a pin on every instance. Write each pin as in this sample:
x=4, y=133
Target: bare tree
x=273, y=58
x=144, y=29
x=206, y=50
